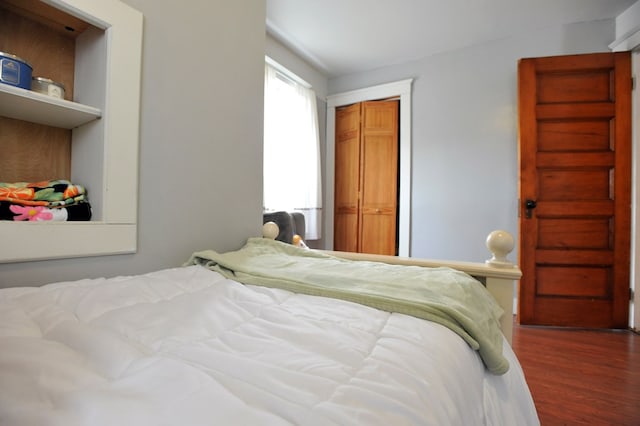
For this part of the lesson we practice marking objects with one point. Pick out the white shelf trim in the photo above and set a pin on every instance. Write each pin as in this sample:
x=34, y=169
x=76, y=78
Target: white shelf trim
x=26, y=105
x=57, y=240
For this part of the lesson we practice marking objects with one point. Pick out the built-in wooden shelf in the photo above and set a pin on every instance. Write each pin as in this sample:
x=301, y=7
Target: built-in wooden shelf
x=35, y=107
x=94, y=48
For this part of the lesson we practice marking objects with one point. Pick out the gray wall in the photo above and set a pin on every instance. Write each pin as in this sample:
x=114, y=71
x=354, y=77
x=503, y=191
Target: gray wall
x=464, y=130
x=201, y=138
x=200, y=176
x=294, y=63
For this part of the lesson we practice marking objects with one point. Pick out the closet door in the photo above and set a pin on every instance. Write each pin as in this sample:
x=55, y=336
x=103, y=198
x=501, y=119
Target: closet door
x=347, y=175
x=379, y=177
x=366, y=173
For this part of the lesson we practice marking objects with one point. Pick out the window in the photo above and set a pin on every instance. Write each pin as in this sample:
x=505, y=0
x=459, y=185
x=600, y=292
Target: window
x=292, y=176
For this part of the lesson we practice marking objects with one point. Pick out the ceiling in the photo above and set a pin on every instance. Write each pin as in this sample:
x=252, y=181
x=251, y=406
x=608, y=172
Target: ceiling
x=341, y=37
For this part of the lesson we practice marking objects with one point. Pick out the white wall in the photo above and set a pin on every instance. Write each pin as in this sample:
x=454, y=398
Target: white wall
x=287, y=58
x=201, y=130
x=464, y=135
x=628, y=23
x=201, y=140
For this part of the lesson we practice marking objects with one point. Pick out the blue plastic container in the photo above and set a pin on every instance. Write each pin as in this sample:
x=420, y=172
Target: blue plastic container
x=15, y=71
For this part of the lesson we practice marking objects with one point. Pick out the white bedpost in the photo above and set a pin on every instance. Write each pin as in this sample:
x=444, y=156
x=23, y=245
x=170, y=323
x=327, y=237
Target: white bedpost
x=270, y=230
x=500, y=244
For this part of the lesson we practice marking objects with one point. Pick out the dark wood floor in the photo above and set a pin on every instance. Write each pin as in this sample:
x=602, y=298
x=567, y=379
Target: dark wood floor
x=581, y=377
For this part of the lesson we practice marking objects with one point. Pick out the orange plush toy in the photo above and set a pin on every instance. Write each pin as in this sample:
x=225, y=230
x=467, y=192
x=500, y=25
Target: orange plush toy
x=298, y=241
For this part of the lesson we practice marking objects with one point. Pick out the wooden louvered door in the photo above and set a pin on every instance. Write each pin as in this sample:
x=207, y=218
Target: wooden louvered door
x=575, y=177
x=379, y=183
x=347, y=175
x=366, y=171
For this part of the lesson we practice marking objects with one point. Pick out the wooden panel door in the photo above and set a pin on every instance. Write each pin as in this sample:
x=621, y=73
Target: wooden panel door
x=575, y=177
x=347, y=175
x=379, y=171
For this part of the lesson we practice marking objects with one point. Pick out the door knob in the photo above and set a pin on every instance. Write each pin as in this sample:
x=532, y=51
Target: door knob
x=529, y=205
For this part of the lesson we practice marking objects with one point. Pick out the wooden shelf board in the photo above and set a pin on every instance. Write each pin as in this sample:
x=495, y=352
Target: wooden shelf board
x=34, y=107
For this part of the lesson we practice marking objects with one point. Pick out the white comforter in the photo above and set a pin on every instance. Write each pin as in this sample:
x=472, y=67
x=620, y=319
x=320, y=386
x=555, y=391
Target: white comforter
x=186, y=346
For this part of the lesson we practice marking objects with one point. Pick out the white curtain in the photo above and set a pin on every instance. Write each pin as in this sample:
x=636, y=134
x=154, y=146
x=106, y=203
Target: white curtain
x=292, y=176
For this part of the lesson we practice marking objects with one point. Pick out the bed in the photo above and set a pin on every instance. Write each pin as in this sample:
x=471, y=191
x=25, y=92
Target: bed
x=270, y=334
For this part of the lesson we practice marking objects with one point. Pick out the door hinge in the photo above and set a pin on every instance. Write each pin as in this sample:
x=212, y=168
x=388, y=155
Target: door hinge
x=633, y=83
x=631, y=294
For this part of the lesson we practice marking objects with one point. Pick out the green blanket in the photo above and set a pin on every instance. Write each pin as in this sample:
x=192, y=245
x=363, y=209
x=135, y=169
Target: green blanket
x=443, y=295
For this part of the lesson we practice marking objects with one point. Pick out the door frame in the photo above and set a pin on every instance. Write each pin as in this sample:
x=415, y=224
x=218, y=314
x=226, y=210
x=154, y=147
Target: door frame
x=634, y=310
x=401, y=89
x=631, y=41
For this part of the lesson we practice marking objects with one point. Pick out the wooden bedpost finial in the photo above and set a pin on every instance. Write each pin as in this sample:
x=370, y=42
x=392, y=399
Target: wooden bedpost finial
x=500, y=244
x=270, y=230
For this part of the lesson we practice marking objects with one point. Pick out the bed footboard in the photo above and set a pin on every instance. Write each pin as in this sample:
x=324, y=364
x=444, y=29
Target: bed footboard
x=499, y=275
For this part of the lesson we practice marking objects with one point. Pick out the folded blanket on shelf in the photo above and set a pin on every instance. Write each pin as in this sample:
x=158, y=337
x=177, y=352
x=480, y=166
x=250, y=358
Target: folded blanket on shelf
x=75, y=212
x=50, y=193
